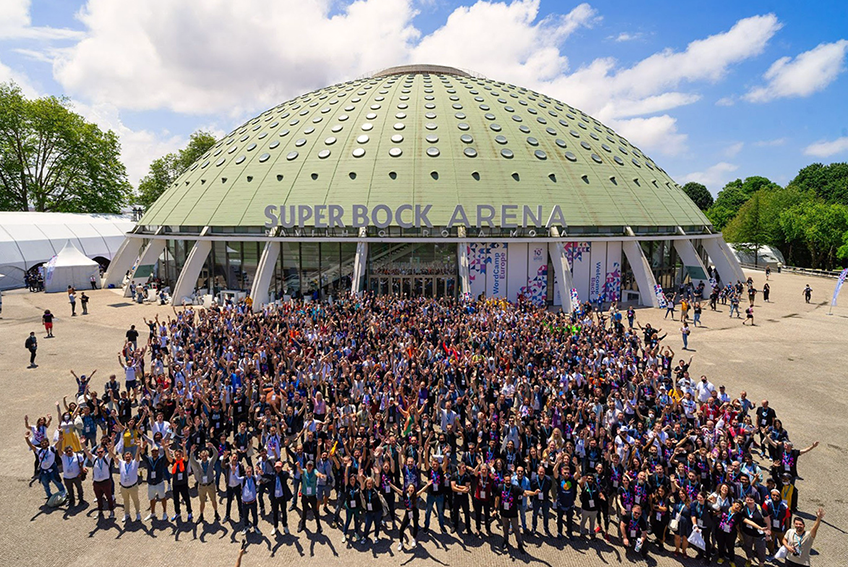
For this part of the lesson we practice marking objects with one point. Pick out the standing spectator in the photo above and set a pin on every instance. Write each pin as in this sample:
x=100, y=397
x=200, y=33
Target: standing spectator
x=799, y=542
x=766, y=292
x=755, y=528
x=132, y=337
x=101, y=472
x=808, y=292
x=93, y=280
x=72, y=473
x=47, y=319
x=684, y=332
x=128, y=469
x=48, y=467
x=84, y=303
x=32, y=346
x=72, y=298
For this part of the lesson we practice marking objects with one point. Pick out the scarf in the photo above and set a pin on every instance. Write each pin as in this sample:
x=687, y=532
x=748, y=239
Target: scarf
x=179, y=466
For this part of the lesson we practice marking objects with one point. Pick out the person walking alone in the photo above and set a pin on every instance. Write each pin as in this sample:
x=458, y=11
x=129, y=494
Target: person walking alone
x=47, y=319
x=32, y=346
x=72, y=298
x=684, y=332
x=84, y=303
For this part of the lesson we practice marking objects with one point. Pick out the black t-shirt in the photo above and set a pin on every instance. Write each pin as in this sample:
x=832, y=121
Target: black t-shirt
x=765, y=416
x=510, y=500
x=755, y=516
x=634, y=527
x=132, y=335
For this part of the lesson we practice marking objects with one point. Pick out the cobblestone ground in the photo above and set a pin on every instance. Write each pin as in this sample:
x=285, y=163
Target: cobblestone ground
x=795, y=356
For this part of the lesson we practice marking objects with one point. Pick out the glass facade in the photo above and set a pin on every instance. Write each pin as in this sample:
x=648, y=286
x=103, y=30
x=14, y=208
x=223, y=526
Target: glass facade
x=412, y=269
x=313, y=269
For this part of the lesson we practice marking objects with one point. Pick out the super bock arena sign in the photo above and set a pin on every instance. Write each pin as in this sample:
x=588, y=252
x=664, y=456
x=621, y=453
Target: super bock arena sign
x=411, y=216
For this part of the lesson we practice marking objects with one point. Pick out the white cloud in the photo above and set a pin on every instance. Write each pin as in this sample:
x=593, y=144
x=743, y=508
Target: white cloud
x=726, y=101
x=810, y=72
x=733, y=150
x=771, y=143
x=825, y=149
x=627, y=36
x=657, y=132
x=714, y=177
x=15, y=23
x=8, y=74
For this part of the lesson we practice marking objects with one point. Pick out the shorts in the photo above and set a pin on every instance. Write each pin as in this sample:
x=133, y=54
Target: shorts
x=207, y=491
x=324, y=491
x=131, y=385
x=156, y=491
x=48, y=326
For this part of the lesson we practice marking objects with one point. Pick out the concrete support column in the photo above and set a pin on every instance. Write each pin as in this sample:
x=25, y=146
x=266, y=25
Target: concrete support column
x=462, y=265
x=358, y=279
x=122, y=262
x=731, y=257
x=187, y=281
x=148, y=259
x=728, y=268
x=689, y=257
x=562, y=269
x=641, y=272
x=264, y=274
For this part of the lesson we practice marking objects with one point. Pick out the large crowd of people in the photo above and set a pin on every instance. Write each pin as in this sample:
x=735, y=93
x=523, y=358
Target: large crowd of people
x=377, y=412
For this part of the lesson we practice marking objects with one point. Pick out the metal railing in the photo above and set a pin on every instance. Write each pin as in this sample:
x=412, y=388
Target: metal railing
x=795, y=270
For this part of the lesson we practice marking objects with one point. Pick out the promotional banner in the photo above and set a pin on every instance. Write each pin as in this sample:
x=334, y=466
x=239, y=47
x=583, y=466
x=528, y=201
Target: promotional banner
x=581, y=265
x=496, y=269
x=536, y=289
x=575, y=299
x=839, y=281
x=658, y=290
x=612, y=284
x=516, y=272
x=477, y=256
x=48, y=272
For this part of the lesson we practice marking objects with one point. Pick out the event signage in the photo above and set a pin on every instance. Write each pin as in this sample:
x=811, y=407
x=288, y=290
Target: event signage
x=839, y=281
x=410, y=216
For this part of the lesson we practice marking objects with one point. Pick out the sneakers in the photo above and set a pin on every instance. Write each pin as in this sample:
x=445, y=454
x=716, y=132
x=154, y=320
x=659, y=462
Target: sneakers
x=286, y=530
x=138, y=517
x=111, y=514
x=148, y=517
x=274, y=532
x=344, y=538
x=190, y=518
x=217, y=517
x=176, y=517
x=164, y=516
x=199, y=519
x=720, y=561
x=126, y=518
x=400, y=546
x=226, y=519
x=244, y=530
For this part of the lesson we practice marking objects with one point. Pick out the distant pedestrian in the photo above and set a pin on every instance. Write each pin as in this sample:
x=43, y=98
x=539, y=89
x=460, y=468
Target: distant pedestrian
x=47, y=319
x=684, y=331
x=808, y=292
x=93, y=280
x=766, y=291
x=72, y=298
x=669, y=306
x=768, y=272
x=631, y=316
x=749, y=315
x=32, y=346
x=734, y=305
x=696, y=320
x=84, y=303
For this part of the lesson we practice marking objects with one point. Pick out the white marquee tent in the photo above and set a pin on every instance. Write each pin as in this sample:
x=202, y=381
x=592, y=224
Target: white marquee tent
x=69, y=267
x=28, y=239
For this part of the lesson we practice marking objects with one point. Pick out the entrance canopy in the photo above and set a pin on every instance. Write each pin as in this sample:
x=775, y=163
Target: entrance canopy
x=69, y=267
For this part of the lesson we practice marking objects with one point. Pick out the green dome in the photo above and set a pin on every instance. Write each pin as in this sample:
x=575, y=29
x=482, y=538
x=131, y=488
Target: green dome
x=425, y=135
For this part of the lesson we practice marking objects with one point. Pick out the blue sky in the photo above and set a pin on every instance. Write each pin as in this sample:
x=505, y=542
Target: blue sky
x=712, y=91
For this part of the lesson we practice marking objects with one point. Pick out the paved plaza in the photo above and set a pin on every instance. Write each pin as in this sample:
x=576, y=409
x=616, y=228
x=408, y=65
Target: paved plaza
x=795, y=356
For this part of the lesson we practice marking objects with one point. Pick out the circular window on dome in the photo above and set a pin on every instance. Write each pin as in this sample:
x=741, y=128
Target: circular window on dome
x=252, y=147
x=291, y=155
x=309, y=130
x=430, y=115
x=264, y=157
x=618, y=160
x=356, y=99
x=574, y=133
x=429, y=106
x=457, y=106
x=517, y=118
x=397, y=138
x=395, y=152
x=432, y=138
x=649, y=164
x=484, y=107
x=622, y=150
x=470, y=152
x=606, y=147
x=262, y=136
x=570, y=156
x=398, y=126
x=274, y=144
x=550, y=131
x=431, y=126
x=240, y=159
x=400, y=115
x=244, y=138
x=459, y=116
x=501, y=139
x=540, y=154
x=371, y=116
x=298, y=143
x=532, y=141
x=463, y=126
x=524, y=129
x=304, y=112
x=294, y=122
x=257, y=127
x=585, y=145
x=581, y=125
x=507, y=153
x=561, y=143
x=323, y=154
x=403, y=106
x=358, y=152
x=232, y=149
x=593, y=136
x=220, y=162
x=597, y=158
x=466, y=138
x=540, y=120
x=317, y=119
x=636, y=162
x=375, y=107
x=429, y=97
x=362, y=139
x=489, y=116
x=284, y=133
x=367, y=126
x=433, y=152
x=330, y=141
x=343, y=117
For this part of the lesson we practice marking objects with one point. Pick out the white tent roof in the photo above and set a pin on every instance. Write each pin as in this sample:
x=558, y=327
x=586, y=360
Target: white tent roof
x=69, y=256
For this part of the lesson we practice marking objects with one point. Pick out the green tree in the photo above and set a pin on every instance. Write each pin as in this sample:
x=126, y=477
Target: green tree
x=733, y=196
x=821, y=226
x=164, y=170
x=699, y=194
x=51, y=159
x=830, y=182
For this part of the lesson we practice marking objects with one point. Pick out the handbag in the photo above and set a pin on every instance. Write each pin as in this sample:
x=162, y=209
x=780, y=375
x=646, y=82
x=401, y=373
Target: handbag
x=696, y=539
x=674, y=523
x=781, y=553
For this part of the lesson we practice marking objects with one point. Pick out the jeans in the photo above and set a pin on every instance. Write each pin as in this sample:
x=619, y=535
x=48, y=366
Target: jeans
x=404, y=523
x=351, y=515
x=181, y=491
x=511, y=524
x=541, y=508
x=439, y=501
x=248, y=509
x=50, y=476
x=372, y=518
x=278, y=507
x=568, y=515
x=685, y=340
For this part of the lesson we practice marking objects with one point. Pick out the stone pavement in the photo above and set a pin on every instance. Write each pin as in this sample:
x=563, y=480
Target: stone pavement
x=795, y=356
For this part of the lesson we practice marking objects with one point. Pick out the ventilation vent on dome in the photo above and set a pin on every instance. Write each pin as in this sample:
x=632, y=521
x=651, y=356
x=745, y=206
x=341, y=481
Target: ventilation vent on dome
x=612, y=179
x=516, y=176
x=279, y=177
x=314, y=176
x=392, y=175
x=352, y=175
x=249, y=178
x=223, y=180
x=552, y=177
x=636, y=181
x=585, y=178
x=475, y=175
x=434, y=175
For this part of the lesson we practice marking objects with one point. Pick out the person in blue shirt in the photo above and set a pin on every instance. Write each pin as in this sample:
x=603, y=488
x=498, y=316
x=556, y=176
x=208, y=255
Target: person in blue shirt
x=280, y=494
x=523, y=483
x=566, y=496
x=248, y=501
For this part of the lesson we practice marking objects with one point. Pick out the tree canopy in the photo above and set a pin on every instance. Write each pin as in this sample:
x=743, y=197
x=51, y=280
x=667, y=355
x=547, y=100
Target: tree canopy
x=830, y=182
x=164, y=170
x=52, y=160
x=699, y=194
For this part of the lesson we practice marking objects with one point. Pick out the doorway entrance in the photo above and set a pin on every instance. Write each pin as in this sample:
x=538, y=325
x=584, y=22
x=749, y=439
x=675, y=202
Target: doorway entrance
x=412, y=269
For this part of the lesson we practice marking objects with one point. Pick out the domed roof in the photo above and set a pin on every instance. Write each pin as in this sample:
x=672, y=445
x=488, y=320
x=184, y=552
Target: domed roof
x=427, y=135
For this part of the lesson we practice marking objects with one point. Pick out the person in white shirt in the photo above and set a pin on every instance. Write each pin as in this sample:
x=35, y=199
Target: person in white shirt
x=48, y=469
x=723, y=396
x=705, y=389
x=101, y=474
x=128, y=469
x=71, y=472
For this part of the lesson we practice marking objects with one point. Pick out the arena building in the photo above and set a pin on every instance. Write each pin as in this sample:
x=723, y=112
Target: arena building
x=425, y=181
